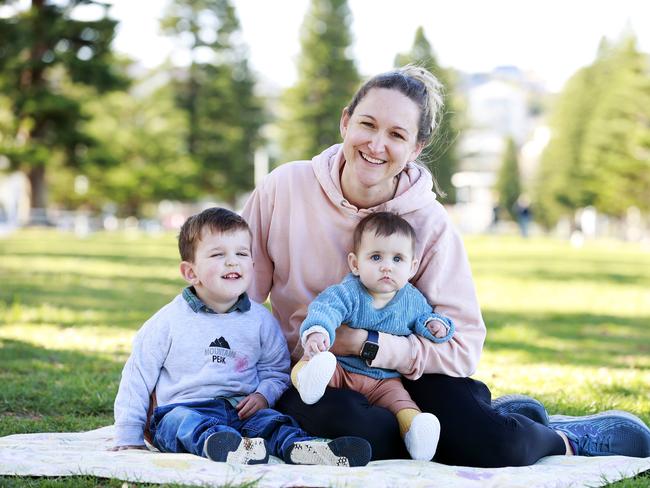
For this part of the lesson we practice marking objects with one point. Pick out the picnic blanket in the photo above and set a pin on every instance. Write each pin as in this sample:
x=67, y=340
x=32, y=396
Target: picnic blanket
x=85, y=453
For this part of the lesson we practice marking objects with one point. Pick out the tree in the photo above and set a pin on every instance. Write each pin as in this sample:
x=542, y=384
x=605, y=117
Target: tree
x=508, y=184
x=147, y=134
x=43, y=48
x=327, y=79
x=441, y=157
x=559, y=186
x=598, y=152
x=217, y=95
x=616, y=145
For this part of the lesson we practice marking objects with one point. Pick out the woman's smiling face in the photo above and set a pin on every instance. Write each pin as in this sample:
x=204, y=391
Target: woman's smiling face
x=379, y=138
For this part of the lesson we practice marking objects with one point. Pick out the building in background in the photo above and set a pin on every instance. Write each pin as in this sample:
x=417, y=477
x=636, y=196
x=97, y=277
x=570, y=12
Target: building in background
x=500, y=104
x=14, y=201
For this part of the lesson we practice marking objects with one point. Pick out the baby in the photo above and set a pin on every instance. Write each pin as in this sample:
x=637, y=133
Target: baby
x=375, y=296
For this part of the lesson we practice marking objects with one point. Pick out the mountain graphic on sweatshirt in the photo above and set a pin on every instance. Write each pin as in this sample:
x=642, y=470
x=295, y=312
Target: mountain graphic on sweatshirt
x=220, y=342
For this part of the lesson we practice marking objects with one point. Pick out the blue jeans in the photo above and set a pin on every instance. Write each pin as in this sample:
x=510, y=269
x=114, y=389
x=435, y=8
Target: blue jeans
x=184, y=427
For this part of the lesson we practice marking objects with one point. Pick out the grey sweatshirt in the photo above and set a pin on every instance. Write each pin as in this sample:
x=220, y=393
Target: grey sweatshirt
x=192, y=356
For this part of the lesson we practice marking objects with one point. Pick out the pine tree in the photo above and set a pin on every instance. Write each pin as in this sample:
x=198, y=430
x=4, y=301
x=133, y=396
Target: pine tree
x=441, y=156
x=217, y=94
x=42, y=50
x=559, y=186
x=598, y=152
x=508, y=184
x=614, y=152
x=146, y=134
x=327, y=79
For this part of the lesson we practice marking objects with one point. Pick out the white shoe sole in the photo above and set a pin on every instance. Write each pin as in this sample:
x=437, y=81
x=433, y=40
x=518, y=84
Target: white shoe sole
x=422, y=437
x=250, y=451
x=316, y=453
x=231, y=448
x=314, y=377
x=343, y=451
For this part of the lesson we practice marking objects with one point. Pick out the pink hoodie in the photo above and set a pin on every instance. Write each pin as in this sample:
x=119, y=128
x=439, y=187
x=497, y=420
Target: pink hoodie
x=302, y=227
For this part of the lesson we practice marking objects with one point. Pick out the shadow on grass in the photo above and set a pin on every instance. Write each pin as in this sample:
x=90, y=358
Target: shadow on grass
x=565, y=270
x=572, y=338
x=127, y=258
x=37, y=381
x=116, y=301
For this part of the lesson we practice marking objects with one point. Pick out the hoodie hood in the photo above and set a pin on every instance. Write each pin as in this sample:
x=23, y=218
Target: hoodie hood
x=414, y=188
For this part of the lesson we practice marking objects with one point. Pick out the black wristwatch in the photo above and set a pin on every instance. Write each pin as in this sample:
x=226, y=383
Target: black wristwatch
x=370, y=347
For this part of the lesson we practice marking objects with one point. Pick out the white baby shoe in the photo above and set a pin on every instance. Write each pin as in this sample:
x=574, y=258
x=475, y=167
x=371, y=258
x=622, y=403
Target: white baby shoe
x=314, y=377
x=422, y=437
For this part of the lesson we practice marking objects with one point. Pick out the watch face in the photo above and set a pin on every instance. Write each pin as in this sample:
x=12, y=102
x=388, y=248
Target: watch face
x=369, y=351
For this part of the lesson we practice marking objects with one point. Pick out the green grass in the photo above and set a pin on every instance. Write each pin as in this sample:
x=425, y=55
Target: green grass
x=569, y=326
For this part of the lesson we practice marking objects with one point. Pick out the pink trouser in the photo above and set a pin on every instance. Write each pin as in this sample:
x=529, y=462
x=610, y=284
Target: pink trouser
x=388, y=393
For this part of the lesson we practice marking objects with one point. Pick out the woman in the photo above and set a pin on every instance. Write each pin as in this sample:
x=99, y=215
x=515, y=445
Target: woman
x=302, y=216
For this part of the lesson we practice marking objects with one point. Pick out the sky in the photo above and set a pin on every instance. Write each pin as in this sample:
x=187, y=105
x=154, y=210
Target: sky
x=550, y=38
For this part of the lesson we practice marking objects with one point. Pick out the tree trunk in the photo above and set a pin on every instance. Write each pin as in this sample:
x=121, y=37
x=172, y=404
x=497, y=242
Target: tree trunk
x=38, y=196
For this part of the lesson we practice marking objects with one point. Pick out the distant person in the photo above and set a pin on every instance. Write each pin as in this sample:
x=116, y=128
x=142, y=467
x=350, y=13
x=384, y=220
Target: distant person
x=218, y=362
x=375, y=296
x=496, y=217
x=303, y=215
x=524, y=214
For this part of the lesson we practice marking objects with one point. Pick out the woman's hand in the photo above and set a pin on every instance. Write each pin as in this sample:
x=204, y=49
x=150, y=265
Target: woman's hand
x=251, y=404
x=349, y=341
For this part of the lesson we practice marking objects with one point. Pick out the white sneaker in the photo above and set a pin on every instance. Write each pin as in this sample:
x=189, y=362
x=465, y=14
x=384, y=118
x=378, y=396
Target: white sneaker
x=314, y=377
x=422, y=437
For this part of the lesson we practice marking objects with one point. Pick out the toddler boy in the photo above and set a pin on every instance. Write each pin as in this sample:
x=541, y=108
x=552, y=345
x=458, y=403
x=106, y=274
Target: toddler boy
x=218, y=362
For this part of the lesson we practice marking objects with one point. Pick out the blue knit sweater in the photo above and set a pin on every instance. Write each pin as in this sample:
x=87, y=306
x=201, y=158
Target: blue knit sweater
x=350, y=303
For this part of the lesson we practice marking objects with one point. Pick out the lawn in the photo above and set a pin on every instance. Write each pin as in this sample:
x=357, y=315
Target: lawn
x=569, y=326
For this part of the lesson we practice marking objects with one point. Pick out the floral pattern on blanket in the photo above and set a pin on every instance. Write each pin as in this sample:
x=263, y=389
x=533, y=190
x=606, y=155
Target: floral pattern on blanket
x=67, y=454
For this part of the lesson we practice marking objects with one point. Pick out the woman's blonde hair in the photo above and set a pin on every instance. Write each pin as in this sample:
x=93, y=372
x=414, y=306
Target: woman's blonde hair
x=418, y=84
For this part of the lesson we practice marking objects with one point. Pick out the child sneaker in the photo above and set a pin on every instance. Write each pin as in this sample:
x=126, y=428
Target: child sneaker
x=422, y=437
x=232, y=448
x=314, y=377
x=342, y=451
x=523, y=405
x=610, y=433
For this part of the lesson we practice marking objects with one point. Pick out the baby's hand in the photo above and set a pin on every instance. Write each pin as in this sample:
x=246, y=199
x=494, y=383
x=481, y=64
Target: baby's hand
x=251, y=404
x=437, y=328
x=316, y=342
x=124, y=448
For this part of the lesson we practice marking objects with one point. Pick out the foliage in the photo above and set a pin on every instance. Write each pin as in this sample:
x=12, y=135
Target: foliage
x=600, y=145
x=508, y=184
x=617, y=146
x=42, y=50
x=146, y=134
x=441, y=156
x=216, y=93
x=327, y=79
x=552, y=334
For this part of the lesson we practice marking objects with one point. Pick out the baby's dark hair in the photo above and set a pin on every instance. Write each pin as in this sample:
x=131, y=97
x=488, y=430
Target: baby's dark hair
x=384, y=224
x=216, y=219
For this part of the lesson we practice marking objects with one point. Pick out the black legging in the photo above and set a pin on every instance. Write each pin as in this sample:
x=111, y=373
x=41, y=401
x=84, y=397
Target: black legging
x=472, y=434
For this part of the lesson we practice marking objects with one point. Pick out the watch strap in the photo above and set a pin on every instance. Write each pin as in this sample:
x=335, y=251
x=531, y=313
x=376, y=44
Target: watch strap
x=373, y=336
